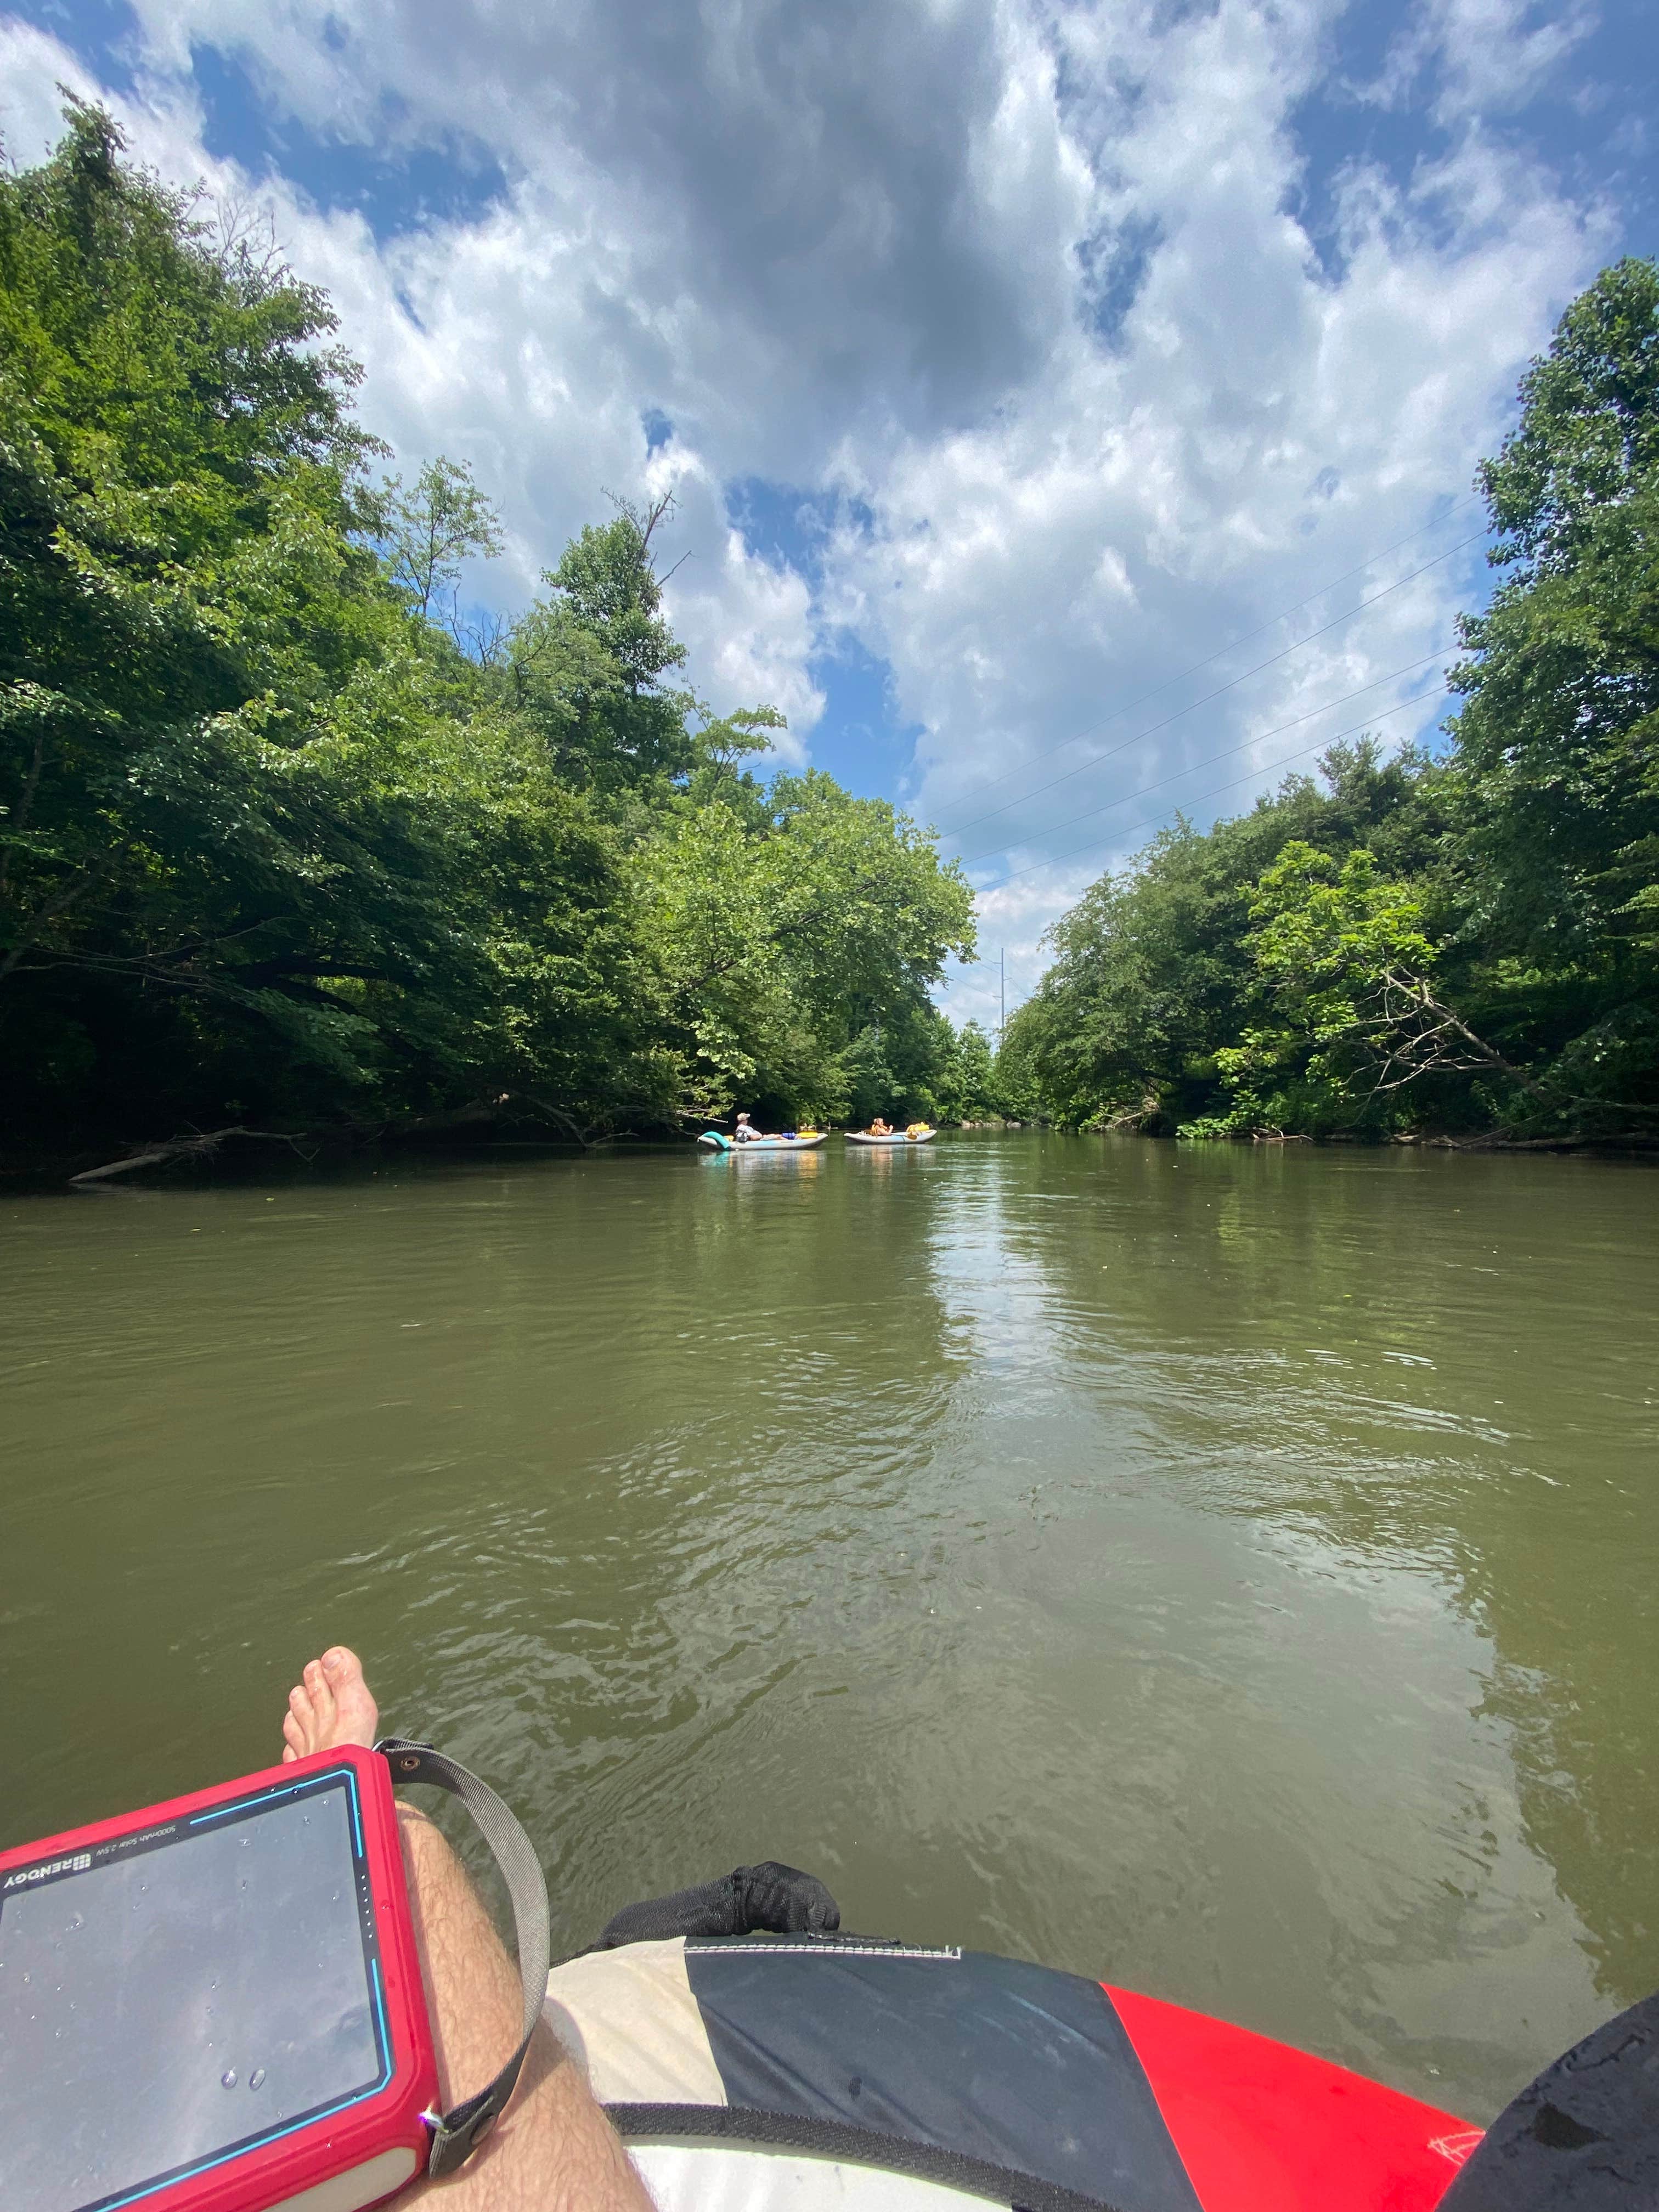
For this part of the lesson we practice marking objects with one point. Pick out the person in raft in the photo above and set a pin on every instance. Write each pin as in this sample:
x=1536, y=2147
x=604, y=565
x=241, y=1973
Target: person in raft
x=553, y=2149
x=746, y=1133
x=880, y=1128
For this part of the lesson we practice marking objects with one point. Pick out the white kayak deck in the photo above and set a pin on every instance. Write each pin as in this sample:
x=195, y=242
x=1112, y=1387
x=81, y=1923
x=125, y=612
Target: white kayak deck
x=629, y=2020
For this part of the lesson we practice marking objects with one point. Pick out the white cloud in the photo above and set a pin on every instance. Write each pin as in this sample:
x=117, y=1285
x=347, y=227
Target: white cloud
x=1494, y=55
x=1012, y=920
x=1259, y=424
x=31, y=68
x=748, y=624
x=878, y=251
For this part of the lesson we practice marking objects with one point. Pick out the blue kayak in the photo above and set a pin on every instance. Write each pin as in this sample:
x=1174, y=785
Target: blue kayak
x=717, y=1143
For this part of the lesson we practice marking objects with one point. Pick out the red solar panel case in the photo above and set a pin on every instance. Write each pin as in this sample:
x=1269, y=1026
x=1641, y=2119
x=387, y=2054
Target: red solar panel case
x=380, y=2143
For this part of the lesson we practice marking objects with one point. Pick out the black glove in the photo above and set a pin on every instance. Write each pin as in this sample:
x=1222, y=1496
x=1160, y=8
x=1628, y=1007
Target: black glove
x=770, y=1898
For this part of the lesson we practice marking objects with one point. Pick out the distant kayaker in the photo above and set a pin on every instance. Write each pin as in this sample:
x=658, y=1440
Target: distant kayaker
x=746, y=1133
x=880, y=1128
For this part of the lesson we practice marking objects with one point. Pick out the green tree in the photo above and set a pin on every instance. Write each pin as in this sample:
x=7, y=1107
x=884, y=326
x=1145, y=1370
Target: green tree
x=426, y=533
x=964, y=1079
x=1352, y=1015
x=282, y=840
x=1557, y=742
x=265, y=846
x=588, y=665
x=785, y=937
x=1240, y=974
x=1153, y=976
x=178, y=585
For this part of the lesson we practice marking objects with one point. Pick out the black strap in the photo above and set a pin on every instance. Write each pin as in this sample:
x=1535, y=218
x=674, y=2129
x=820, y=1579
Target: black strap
x=456, y=2134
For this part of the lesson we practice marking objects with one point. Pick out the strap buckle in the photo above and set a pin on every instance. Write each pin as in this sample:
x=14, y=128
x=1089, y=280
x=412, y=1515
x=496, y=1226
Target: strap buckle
x=458, y=2134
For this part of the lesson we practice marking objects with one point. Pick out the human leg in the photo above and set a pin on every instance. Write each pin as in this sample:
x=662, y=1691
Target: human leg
x=553, y=2149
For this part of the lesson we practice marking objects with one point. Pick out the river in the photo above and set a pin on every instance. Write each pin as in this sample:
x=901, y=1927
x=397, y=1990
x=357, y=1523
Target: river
x=1229, y=1570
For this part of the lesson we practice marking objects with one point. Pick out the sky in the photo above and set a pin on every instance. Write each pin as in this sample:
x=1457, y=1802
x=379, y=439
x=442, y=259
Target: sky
x=1071, y=410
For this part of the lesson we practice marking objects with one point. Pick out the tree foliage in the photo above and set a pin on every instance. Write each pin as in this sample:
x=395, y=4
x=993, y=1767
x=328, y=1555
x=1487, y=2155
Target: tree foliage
x=428, y=533
x=1462, y=942
x=285, y=836
x=791, y=926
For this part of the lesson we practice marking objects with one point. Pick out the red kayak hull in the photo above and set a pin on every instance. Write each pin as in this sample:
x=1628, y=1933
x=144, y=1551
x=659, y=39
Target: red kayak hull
x=1262, y=2127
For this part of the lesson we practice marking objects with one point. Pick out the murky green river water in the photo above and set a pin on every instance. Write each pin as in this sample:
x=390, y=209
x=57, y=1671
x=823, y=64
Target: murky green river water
x=1228, y=1570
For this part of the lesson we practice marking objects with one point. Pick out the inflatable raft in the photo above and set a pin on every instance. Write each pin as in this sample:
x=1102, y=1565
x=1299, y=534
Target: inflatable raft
x=898, y=1137
x=808, y=2071
x=755, y=2059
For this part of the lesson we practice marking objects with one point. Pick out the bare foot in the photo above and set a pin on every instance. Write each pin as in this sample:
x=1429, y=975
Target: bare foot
x=330, y=1705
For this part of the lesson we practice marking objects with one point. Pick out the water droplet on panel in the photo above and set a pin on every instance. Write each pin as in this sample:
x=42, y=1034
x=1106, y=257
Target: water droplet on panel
x=227, y=2079
x=256, y=2077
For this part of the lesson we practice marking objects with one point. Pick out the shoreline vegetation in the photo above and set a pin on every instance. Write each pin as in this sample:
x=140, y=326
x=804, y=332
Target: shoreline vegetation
x=294, y=842
x=1462, y=945
x=299, y=849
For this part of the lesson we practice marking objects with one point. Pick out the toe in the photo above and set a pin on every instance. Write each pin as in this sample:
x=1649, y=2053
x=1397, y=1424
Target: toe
x=300, y=1725
x=322, y=1693
x=293, y=1737
x=357, y=1715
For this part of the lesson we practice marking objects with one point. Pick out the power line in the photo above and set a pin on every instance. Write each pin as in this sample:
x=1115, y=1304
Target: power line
x=1197, y=799
x=1261, y=629
x=1274, y=658
x=1295, y=722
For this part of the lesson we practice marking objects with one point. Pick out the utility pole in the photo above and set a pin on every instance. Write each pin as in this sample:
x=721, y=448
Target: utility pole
x=1002, y=992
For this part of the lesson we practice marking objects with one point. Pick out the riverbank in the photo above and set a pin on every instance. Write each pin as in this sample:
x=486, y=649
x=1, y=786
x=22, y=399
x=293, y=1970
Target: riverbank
x=240, y=1152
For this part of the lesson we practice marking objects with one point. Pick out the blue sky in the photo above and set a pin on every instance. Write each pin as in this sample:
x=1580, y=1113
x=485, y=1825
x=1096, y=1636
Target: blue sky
x=1071, y=409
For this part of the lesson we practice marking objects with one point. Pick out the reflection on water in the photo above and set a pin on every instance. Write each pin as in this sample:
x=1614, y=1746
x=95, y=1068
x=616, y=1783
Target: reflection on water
x=1227, y=1569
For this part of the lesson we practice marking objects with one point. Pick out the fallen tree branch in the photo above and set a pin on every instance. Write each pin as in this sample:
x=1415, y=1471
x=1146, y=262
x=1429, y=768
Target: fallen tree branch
x=1136, y=1119
x=556, y=1114
x=185, y=1148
